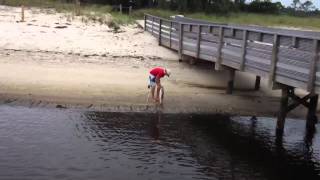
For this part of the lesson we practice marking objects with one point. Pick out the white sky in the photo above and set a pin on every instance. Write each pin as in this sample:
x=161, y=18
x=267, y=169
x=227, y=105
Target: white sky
x=289, y=2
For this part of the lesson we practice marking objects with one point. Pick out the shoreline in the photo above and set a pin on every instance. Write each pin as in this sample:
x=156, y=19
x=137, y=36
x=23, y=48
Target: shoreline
x=101, y=84
x=86, y=66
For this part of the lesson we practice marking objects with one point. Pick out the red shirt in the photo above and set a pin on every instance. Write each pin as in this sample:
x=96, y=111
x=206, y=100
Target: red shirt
x=158, y=72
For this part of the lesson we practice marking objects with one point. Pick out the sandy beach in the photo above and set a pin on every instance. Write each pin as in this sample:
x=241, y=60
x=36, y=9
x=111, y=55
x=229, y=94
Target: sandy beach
x=86, y=65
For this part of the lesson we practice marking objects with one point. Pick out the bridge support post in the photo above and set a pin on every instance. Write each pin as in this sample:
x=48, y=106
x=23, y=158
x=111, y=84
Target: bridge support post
x=310, y=101
x=312, y=110
x=230, y=84
x=257, y=83
x=285, y=90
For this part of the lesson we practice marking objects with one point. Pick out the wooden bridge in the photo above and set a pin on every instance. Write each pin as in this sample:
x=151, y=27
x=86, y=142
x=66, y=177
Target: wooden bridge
x=289, y=59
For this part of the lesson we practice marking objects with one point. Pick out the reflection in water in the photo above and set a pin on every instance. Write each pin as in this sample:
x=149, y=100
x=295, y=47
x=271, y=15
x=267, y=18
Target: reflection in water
x=69, y=144
x=155, y=130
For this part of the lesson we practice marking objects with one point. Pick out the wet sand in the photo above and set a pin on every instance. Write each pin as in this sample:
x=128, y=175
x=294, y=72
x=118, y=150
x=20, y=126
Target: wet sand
x=88, y=66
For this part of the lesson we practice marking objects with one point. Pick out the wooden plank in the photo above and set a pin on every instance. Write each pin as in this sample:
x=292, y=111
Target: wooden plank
x=238, y=34
x=232, y=51
x=207, y=53
x=285, y=41
x=232, y=41
x=211, y=51
x=254, y=36
x=191, y=41
x=260, y=46
x=207, y=57
x=259, y=54
x=292, y=74
x=295, y=54
x=244, y=47
x=231, y=64
x=293, y=62
x=256, y=71
x=218, y=63
x=312, y=75
x=274, y=59
x=305, y=44
x=267, y=38
x=189, y=53
x=290, y=82
x=209, y=38
x=189, y=47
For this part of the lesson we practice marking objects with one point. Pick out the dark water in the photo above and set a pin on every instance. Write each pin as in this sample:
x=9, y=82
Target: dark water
x=71, y=144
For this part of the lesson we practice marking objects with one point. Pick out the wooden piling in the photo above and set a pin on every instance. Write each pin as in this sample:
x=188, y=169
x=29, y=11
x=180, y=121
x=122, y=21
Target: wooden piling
x=257, y=83
x=312, y=110
x=283, y=109
x=230, y=84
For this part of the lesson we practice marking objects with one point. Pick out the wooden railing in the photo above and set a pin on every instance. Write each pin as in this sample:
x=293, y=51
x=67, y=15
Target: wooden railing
x=283, y=56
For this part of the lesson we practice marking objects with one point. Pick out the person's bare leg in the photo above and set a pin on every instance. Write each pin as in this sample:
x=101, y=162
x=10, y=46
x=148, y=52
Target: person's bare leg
x=158, y=92
x=152, y=92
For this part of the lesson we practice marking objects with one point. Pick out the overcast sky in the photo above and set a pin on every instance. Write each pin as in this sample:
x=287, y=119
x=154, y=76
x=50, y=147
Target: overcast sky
x=289, y=2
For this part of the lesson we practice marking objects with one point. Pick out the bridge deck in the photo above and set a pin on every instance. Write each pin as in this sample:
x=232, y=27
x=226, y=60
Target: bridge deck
x=288, y=57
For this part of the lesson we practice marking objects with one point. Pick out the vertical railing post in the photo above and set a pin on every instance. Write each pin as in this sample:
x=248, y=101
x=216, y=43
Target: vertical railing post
x=274, y=59
x=294, y=42
x=180, y=40
x=130, y=10
x=313, y=66
x=120, y=8
x=159, y=37
x=22, y=13
x=244, y=49
x=198, y=41
x=220, y=45
x=152, y=25
x=145, y=22
x=170, y=35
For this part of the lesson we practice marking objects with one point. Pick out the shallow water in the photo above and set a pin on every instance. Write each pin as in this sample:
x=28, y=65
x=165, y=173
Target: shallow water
x=72, y=144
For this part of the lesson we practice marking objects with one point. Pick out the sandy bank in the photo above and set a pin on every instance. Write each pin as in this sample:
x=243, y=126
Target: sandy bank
x=88, y=66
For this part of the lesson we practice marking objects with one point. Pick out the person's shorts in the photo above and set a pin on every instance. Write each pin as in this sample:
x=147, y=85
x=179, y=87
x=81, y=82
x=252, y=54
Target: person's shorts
x=152, y=81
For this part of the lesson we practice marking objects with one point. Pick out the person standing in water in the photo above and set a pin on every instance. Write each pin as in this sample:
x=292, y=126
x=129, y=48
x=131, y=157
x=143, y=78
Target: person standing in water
x=154, y=80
